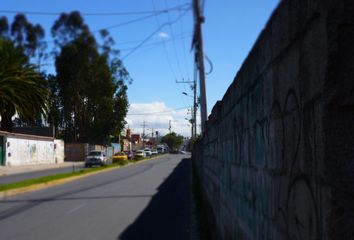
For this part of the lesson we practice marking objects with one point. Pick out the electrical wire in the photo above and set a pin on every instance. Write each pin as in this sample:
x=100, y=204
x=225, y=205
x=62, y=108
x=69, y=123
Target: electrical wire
x=176, y=8
x=210, y=63
x=184, y=49
x=126, y=23
x=155, y=43
x=153, y=33
x=180, y=36
x=174, y=45
x=175, y=52
x=164, y=45
x=168, y=58
x=156, y=13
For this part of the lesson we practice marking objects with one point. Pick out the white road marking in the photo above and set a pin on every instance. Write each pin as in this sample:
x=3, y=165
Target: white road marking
x=76, y=208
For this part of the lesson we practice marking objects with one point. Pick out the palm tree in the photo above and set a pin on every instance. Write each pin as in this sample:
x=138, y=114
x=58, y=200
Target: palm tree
x=22, y=89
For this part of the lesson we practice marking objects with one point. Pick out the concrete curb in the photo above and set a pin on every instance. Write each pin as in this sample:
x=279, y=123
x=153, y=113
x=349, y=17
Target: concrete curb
x=39, y=186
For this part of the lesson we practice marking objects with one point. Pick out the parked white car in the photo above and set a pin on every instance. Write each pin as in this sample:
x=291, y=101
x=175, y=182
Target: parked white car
x=95, y=158
x=148, y=152
x=140, y=154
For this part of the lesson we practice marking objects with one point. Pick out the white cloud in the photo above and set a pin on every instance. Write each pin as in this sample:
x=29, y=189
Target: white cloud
x=163, y=35
x=157, y=117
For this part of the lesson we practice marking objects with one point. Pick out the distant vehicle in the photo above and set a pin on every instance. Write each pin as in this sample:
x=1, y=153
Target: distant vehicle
x=140, y=154
x=147, y=152
x=95, y=158
x=154, y=152
x=129, y=154
x=160, y=149
x=119, y=157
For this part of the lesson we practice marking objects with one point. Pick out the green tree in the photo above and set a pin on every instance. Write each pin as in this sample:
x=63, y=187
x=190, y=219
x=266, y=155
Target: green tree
x=193, y=141
x=54, y=116
x=22, y=88
x=172, y=140
x=91, y=82
x=26, y=35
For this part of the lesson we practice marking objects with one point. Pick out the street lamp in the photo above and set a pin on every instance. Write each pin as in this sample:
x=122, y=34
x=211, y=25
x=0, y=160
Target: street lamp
x=184, y=93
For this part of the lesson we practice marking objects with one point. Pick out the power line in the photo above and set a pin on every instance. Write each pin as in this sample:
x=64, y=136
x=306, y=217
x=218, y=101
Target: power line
x=122, y=24
x=174, y=45
x=153, y=33
x=126, y=23
x=156, y=13
x=157, y=43
x=166, y=54
x=152, y=113
x=179, y=36
x=164, y=45
x=184, y=50
x=210, y=63
x=181, y=7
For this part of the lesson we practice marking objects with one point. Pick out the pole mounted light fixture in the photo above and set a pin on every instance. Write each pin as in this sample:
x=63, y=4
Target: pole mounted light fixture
x=184, y=93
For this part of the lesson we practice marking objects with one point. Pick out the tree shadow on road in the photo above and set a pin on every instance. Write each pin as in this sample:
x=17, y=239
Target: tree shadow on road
x=167, y=216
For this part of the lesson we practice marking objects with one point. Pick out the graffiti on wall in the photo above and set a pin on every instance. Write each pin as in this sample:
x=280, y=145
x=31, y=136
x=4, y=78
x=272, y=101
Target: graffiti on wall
x=269, y=180
x=27, y=151
x=31, y=150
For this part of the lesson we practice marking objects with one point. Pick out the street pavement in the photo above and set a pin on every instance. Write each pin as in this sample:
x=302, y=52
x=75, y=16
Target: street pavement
x=150, y=200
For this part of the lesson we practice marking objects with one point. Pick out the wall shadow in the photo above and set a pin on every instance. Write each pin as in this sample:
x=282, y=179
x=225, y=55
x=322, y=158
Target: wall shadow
x=167, y=216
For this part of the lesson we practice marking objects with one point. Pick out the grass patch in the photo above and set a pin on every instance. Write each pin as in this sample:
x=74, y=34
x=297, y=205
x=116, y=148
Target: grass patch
x=46, y=179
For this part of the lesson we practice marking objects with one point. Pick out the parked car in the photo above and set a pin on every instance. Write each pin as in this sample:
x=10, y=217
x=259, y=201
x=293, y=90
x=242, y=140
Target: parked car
x=147, y=152
x=129, y=154
x=154, y=152
x=160, y=149
x=140, y=154
x=95, y=158
x=120, y=156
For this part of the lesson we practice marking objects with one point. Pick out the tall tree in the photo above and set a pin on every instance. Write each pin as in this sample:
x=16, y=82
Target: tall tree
x=54, y=116
x=4, y=27
x=22, y=88
x=91, y=81
x=68, y=28
x=27, y=35
x=173, y=140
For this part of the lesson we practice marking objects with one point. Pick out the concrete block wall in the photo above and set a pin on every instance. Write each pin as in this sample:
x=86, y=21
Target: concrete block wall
x=277, y=158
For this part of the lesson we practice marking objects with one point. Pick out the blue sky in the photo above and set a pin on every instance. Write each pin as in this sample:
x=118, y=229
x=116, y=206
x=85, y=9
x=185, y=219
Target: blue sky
x=231, y=27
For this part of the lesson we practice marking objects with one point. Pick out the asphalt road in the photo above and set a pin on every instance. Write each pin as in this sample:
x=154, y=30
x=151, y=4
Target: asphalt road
x=37, y=174
x=150, y=200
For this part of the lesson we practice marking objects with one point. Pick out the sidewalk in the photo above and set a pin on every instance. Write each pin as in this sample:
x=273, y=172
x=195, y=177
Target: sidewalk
x=11, y=170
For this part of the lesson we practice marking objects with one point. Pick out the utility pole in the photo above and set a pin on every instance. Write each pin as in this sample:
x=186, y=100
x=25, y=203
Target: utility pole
x=191, y=121
x=199, y=58
x=144, y=125
x=169, y=125
x=194, y=107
